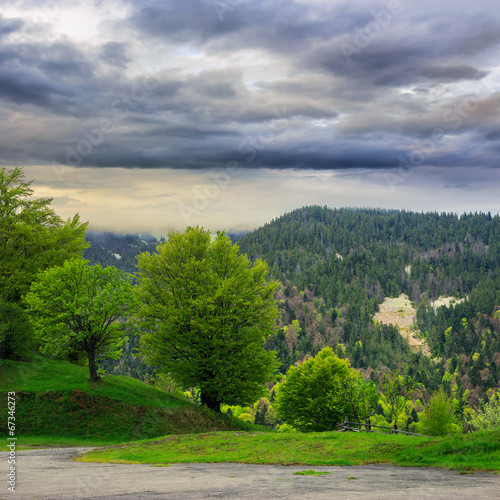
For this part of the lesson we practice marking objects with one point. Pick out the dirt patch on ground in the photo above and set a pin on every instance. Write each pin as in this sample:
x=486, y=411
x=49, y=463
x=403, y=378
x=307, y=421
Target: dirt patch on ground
x=445, y=301
x=400, y=312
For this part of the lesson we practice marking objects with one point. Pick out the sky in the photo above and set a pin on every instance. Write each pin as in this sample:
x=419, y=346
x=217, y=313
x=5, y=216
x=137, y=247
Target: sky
x=152, y=115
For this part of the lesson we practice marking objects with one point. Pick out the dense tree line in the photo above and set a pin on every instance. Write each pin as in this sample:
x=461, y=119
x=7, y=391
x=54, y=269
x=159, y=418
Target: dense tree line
x=333, y=249
x=118, y=250
x=32, y=239
x=337, y=265
x=334, y=267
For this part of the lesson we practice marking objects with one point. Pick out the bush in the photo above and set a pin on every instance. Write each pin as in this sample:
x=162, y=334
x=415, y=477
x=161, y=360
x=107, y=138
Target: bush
x=311, y=398
x=439, y=418
x=285, y=428
x=487, y=417
x=246, y=417
x=16, y=334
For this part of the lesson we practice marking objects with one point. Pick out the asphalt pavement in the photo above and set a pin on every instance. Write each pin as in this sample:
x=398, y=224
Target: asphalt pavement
x=53, y=474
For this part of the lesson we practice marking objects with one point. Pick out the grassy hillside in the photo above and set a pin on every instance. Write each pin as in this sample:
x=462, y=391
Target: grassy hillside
x=56, y=399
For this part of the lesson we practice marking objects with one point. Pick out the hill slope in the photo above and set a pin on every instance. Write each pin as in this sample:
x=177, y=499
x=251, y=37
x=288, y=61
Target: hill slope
x=338, y=266
x=56, y=398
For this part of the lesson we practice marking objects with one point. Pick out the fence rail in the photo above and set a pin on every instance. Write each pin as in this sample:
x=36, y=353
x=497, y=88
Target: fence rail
x=346, y=427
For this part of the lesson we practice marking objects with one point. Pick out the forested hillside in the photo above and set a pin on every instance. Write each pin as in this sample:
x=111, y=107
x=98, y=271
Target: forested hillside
x=110, y=249
x=333, y=249
x=337, y=265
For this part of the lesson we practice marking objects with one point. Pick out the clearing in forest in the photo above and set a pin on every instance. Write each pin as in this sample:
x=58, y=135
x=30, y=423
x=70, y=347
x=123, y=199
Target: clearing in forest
x=400, y=312
x=445, y=301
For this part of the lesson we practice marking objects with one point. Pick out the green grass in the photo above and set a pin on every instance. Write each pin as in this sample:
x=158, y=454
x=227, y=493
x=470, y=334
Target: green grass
x=479, y=451
x=44, y=375
x=56, y=405
x=38, y=442
x=55, y=400
x=469, y=452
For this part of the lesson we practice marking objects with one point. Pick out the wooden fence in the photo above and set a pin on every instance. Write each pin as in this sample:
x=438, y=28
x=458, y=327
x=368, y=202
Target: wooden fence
x=346, y=426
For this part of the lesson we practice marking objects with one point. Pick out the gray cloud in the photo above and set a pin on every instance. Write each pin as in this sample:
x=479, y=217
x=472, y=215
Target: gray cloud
x=8, y=26
x=55, y=76
x=115, y=53
x=282, y=84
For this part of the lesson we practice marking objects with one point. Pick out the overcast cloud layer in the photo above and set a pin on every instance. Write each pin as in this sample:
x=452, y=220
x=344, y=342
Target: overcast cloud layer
x=383, y=95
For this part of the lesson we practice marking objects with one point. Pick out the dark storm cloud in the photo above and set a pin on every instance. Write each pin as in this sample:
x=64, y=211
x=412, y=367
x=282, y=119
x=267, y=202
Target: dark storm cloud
x=274, y=84
x=408, y=51
x=24, y=88
x=191, y=21
x=450, y=73
x=8, y=26
x=115, y=54
x=289, y=31
x=50, y=76
x=281, y=24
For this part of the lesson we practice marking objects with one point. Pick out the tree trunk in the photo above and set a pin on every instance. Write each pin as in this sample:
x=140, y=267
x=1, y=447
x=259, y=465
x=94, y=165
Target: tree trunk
x=92, y=366
x=211, y=402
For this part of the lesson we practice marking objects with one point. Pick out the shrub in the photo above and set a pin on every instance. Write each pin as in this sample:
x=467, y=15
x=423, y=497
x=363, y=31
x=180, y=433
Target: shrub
x=311, y=398
x=16, y=334
x=439, y=418
x=487, y=417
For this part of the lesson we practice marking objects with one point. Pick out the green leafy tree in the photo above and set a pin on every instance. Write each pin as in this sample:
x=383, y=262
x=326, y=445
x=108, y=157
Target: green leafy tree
x=311, y=396
x=207, y=312
x=16, y=334
x=439, y=417
x=270, y=418
x=32, y=236
x=487, y=417
x=80, y=308
x=397, y=390
x=361, y=396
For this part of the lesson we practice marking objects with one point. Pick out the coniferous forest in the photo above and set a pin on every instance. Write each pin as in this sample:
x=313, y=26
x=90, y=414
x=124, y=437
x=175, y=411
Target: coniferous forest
x=336, y=266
